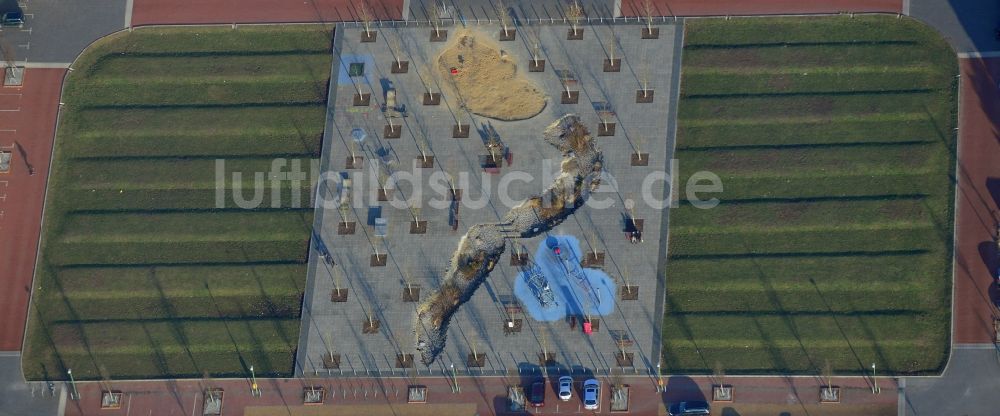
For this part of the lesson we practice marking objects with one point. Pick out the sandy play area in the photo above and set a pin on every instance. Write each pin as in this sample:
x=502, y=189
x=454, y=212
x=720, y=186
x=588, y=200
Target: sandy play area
x=487, y=79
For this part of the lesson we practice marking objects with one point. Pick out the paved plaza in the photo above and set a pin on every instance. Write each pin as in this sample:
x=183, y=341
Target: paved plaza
x=416, y=261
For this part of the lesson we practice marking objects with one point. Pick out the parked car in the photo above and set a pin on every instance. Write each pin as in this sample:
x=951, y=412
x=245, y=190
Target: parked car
x=12, y=19
x=565, y=388
x=537, y=397
x=591, y=394
x=692, y=408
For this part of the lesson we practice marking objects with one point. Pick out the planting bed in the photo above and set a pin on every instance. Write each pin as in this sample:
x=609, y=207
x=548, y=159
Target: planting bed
x=141, y=271
x=834, y=141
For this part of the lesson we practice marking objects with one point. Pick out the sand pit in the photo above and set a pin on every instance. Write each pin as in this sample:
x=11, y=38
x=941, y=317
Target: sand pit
x=487, y=79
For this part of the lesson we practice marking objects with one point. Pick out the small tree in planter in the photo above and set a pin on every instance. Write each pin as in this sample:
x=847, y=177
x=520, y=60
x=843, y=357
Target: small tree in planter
x=212, y=405
x=829, y=393
x=331, y=360
x=629, y=292
x=536, y=64
x=417, y=226
x=648, y=11
x=431, y=97
x=575, y=14
x=399, y=65
x=568, y=80
x=354, y=161
x=436, y=17
x=638, y=157
x=644, y=94
x=313, y=394
x=612, y=63
x=506, y=21
x=475, y=359
x=366, y=17
x=370, y=325
x=110, y=399
x=411, y=291
x=593, y=257
x=425, y=160
x=721, y=392
x=606, y=114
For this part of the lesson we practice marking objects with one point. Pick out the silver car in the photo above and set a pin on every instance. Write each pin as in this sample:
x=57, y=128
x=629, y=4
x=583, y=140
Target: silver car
x=591, y=394
x=565, y=388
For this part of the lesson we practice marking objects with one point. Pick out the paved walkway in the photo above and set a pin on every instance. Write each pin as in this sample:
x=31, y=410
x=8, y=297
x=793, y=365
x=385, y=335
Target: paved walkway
x=486, y=396
x=18, y=398
x=27, y=126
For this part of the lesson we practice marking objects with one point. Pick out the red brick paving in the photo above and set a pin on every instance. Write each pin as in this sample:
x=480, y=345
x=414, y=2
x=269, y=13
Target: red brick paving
x=150, y=12
x=22, y=194
x=488, y=394
x=760, y=7
x=978, y=193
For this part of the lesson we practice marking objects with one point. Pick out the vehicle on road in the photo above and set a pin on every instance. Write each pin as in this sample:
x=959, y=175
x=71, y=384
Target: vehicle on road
x=12, y=19
x=537, y=397
x=591, y=394
x=565, y=388
x=692, y=408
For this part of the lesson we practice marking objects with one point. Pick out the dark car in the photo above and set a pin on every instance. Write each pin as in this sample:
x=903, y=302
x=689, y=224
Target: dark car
x=537, y=397
x=692, y=408
x=12, y=19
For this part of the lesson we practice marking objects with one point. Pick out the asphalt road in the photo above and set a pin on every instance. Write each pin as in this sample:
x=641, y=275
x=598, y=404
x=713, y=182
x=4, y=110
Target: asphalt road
x=969, y=386
x=18, y=398
x=56, y=31
x=968, y=25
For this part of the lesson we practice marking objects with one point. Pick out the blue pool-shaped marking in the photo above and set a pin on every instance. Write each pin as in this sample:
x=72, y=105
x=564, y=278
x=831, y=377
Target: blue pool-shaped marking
x=571, y=297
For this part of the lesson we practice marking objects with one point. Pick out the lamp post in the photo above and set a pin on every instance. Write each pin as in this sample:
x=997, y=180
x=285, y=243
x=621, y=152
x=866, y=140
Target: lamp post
x=253, y=383
x=875, y=389
x=659, y=379
x=72, y=383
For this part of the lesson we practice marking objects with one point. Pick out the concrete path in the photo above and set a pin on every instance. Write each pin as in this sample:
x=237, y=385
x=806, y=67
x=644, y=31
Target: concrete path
x=968, y=387
x=56, y=31
x=18, y=398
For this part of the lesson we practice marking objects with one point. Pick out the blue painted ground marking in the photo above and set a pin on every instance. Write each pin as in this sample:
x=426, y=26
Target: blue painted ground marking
x=593, y=295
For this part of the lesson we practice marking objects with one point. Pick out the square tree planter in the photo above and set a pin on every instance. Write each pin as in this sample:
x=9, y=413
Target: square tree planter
x=362, y=99
x=411, y=293
x=613, y=65
x=829, y=394
x=368, y=36
x=212, y=404
x=546, y=359
x=392, y=131
x=432, y=98
x=404, y=360
x=512, y=326
x=338, y=295
x=346, y=228
x=595, y=324
x=418, y=227
x=355, y=162
x=378, y=260
x=507, y=36
x=593, y=259
x=331, y=361
x=570, y=97
x=624, y=360
x=605, y=129
x=574, y=34
x=111, y=400
x=425, y=162
x=439, y=35
x=619, y=398
x=536, y=65
x=416, y=394
x=460, y=131
x=644, y=97
x=313, y=395
x=640, y=159
x=476, y=360
x=370, y=326
x=400, y=67
x=519, y=259
x=650, y=34
x=722, y=393
x=630, y=292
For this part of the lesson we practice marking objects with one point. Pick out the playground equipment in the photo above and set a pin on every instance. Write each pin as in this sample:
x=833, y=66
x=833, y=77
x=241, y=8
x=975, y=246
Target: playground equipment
x=571, y=265
x=540, y=286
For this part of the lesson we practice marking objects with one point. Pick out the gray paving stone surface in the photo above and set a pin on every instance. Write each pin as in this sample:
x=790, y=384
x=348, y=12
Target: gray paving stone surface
x=423, y=258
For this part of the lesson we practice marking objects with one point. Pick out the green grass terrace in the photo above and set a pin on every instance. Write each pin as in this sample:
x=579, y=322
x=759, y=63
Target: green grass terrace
x=833, y=138
x=142, y=274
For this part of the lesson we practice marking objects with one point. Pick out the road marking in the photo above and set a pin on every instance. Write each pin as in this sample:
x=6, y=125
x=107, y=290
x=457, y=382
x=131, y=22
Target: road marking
x=43, y=65
x=906, y=7
x=974, y=346
x=25, y=45
x=987, y=54
x=128, y=13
